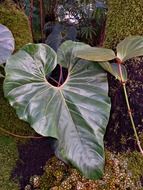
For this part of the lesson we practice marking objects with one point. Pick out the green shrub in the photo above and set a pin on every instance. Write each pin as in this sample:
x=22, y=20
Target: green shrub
x=124, y=18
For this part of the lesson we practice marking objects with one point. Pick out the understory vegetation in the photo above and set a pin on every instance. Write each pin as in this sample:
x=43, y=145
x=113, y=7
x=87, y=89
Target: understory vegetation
x=107, y=24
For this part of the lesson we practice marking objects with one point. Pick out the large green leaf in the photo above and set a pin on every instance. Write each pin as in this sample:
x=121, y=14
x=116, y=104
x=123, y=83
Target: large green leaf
x=130, y=47
x=95, y=53
x=75, y=113
x=6, y=43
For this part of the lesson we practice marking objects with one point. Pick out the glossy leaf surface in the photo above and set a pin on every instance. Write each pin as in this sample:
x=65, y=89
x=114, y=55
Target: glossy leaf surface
x=6, y=43
x=75, y=113
x=130, y=47
x=95, y=54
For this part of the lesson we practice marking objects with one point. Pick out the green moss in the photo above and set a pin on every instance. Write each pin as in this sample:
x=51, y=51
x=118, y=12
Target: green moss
x=9, y=120
x=17, y=22
x=8, y=158
x=124, y=18
x=8, y=148
x=135, y=165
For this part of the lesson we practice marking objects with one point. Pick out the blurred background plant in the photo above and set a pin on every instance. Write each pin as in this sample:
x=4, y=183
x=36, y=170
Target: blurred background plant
x=88, y=16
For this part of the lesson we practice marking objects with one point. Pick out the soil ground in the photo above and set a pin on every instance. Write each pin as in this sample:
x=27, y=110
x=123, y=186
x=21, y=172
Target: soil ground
x=119, y=134
x=32, y=158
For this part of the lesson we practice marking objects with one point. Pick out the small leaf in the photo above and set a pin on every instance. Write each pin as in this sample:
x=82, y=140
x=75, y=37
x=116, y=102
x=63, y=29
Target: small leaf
x=6, y=43
x=130, y=47
x=107, y=67
x=113, y=69
x=95, y=53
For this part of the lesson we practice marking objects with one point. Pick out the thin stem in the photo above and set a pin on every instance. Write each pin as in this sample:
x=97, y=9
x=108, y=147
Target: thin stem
x=129, y=108
x=41, y=18
x=19, y=136
x=31, y=15
x=54, y=81
x=61, y=76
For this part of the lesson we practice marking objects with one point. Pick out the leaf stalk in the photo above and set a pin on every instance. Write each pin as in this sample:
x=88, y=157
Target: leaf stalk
x=129, y=108
x=20, y=136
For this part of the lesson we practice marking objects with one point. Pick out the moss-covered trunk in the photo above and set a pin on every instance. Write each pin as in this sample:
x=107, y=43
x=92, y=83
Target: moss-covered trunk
x=124, y=18
x=16, y=21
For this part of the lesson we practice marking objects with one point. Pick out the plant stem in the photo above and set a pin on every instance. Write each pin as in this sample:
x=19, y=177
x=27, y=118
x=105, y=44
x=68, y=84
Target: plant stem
x=41, y=18
x=20, y=136
x=61, y=76
x=31, y=16
x=129, y=108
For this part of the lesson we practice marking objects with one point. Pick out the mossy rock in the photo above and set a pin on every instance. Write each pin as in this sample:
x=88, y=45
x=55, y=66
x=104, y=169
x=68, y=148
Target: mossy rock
x=9, y=120
x=17, y=22
x=119, y=175
x=124, y=18
x=8, y=158
x=135, y=163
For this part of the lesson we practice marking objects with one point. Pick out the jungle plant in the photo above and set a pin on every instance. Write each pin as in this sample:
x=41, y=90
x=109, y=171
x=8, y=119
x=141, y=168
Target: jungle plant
x=6, y=45
x=128, y=48
x=74, y=109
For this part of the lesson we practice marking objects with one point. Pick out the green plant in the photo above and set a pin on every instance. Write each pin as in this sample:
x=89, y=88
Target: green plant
x=128, y=48
x=87, y=32
x=6, y=45
x=75, y=111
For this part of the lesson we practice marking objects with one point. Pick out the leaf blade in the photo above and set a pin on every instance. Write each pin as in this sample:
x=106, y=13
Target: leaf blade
x=130, y=47
x=95, y=54
x=75, y=113
x=6, y=43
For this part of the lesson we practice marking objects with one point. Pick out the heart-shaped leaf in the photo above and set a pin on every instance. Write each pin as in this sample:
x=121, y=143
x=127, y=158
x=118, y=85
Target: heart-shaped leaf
x=130, y=47
x=76, y=113
x=95, y=53
x=6, y=43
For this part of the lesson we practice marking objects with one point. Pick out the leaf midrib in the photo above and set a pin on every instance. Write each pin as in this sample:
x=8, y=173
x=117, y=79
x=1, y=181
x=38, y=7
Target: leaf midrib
x=81, y=141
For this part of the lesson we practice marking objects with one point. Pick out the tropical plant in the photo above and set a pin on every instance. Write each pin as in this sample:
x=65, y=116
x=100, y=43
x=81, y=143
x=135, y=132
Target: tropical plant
x=6, y=45
x=128, y=48
x=74, y=111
